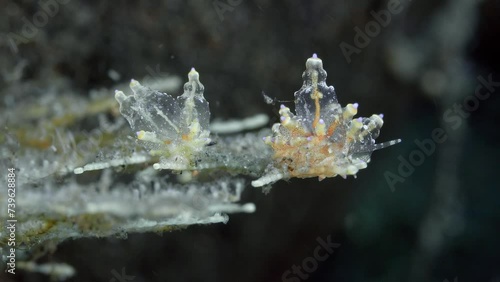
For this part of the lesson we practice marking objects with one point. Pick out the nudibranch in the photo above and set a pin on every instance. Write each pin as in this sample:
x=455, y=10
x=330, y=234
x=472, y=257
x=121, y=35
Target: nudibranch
x=176, y=129
x=322, y=140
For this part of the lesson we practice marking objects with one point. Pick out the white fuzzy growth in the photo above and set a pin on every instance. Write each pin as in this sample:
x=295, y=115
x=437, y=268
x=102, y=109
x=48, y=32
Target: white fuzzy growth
x=122, y=208
x=134, y=159
x=177, y=165
x=269, y=178
x=235, y=126
x=59, y=271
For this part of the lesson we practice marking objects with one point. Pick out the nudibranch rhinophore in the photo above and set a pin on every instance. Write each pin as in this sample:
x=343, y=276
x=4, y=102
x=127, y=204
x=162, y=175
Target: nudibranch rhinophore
x=322, y=139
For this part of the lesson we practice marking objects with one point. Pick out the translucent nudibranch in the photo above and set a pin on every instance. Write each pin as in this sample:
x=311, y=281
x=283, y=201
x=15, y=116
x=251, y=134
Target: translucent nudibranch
x=176, y=129
x=322, y=140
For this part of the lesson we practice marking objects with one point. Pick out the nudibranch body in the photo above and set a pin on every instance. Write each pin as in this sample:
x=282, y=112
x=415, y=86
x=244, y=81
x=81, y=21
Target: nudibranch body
x=322, y=140
x=176, y=129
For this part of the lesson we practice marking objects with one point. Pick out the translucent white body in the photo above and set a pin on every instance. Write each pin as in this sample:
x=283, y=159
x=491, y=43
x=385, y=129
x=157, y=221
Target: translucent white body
x=176, y=129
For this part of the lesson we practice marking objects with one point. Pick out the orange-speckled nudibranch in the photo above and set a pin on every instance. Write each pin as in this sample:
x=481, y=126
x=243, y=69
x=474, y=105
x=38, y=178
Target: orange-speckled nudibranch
x=322, y=139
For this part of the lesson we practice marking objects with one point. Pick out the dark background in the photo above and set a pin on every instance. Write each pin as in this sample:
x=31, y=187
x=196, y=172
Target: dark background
x=442, y=222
